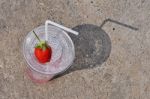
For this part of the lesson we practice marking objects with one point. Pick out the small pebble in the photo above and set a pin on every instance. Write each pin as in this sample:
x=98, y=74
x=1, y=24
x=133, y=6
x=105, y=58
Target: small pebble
x=1, y=66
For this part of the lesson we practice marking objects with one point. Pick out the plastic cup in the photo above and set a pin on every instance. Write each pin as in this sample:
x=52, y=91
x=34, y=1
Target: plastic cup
x=63, y=53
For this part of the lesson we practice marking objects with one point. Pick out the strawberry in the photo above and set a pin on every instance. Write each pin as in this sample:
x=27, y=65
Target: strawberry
x=42, y=51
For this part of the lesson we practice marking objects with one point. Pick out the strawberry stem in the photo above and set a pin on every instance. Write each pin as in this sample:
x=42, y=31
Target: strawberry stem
x=36, y=36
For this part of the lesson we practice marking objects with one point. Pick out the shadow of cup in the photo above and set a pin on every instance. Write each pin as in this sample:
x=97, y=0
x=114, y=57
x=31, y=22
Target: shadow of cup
x=92, y=47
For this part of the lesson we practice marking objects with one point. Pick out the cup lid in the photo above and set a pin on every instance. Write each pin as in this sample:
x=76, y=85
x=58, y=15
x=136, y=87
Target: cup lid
x=63, y=52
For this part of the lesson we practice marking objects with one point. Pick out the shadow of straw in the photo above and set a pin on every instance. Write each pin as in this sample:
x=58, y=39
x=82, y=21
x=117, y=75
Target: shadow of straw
x=119, y=23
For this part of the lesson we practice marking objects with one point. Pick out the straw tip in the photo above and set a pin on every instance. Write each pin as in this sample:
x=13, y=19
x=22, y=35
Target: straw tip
x=76, y=33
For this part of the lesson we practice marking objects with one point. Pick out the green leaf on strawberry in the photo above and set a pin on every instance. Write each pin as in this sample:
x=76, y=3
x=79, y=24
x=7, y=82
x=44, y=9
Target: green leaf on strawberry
x=42, y=45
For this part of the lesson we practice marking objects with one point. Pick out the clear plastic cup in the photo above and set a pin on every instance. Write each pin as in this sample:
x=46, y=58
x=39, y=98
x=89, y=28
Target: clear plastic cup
x=63, y=53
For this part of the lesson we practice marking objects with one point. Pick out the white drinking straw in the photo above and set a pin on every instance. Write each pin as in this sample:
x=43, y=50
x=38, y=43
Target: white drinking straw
x=57, y=25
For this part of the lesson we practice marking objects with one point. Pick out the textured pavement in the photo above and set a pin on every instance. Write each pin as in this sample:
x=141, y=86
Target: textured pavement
x=125, y=74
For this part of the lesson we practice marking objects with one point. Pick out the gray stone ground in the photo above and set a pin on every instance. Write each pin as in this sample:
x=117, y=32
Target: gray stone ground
x=125, y=74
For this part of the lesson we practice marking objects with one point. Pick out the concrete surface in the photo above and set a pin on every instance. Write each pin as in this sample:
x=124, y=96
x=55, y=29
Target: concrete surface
x=125, y=74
